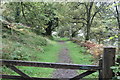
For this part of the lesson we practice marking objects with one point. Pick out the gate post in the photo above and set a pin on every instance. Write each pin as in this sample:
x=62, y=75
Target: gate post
x=100, y=71
x=107, y=62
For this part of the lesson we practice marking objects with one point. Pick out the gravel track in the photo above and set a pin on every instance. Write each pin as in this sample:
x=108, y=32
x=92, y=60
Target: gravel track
x=64, y=57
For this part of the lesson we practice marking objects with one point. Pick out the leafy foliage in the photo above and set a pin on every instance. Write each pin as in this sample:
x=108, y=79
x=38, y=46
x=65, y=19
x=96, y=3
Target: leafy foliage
x=116, y=69
x=95, y=49
x=25, y=22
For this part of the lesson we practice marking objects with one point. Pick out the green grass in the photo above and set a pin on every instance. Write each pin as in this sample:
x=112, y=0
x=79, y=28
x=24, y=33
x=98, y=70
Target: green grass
x=49, y=55
x=61, y=39
x=29, y=47
x=79, y=56
x=32, y=47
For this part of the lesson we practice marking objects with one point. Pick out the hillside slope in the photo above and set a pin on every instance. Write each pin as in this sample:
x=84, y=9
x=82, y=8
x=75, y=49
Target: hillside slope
x=20, y=43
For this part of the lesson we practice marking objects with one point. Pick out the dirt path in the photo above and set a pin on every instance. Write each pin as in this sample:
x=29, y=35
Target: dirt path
x=64, y=58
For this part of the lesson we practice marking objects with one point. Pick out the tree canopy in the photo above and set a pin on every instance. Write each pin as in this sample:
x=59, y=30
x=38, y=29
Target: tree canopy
x=97, y=20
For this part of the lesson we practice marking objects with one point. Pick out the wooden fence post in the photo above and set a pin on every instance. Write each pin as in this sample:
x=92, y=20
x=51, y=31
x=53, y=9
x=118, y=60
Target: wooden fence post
x=100, y=71
x=107, y=62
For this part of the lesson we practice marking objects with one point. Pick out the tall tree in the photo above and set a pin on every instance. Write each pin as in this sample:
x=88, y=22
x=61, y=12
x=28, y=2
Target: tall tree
x=18, y=11
x=118, y=20
x=91, y=9
x=51, y=26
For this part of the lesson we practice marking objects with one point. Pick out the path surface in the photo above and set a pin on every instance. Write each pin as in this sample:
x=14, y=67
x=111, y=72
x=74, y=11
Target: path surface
x=64, y=58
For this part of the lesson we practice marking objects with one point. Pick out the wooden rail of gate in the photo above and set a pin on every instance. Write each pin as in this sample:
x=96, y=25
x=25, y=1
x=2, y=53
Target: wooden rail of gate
x=104, y=67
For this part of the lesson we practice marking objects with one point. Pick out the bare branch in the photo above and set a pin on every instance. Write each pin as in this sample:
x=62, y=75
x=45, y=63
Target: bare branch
x=80, y=19
x=96, y=13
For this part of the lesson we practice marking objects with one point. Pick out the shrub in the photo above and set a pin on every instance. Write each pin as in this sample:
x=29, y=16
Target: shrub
x=20, y=44
x=96, y=50
x=116, y=69
x=93, y=48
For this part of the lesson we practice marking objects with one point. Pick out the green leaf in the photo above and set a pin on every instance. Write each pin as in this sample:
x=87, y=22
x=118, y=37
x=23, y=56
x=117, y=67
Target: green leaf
x=116, y=36
x=111, y=38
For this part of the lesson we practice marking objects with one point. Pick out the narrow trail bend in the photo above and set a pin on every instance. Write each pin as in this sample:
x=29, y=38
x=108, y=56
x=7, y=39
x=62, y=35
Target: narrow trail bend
x=64, y=57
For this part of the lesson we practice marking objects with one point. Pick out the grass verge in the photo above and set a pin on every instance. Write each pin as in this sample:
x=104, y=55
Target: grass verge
x=79, y=56
x=61, y=39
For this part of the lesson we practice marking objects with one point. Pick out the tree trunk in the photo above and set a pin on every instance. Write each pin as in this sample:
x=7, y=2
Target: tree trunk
x=49, y=29
x=88, y=20
x=17, y=15
x=88, y=33
x=73, y=34
x=88, y=26
x=119, y=41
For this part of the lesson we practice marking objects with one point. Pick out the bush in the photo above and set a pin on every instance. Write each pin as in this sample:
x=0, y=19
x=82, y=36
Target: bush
x=95, y=49
x=21, y=44
x=116, y=69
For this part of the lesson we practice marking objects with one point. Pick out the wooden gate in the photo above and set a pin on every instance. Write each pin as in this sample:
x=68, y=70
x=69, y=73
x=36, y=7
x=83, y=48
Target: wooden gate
x=105, y=73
